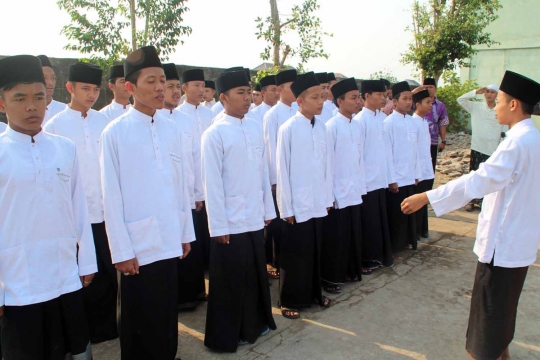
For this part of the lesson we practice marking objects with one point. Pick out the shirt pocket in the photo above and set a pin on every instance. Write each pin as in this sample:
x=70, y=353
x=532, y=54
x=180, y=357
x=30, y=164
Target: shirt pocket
x=14, y=272
x=302, y=200
x=144, y=236
x=257, y=152
x=235, y=209
x=413, y=136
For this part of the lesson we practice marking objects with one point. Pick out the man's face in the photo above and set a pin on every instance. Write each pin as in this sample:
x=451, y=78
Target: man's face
x=351, y=103
x=150, y=88
x=257, y=98
x=238, y=100
x=424, y=107
x=50, y=80
x=173, y=93
x=270, y=95
x=325, y=89
x=25, y=107
x=83, y=95
x=209, y=94
x=332, y=83
x=432, y=89
x=490, y=95
x=312, y=102
x=503, y=109
x=286, y=93
x=404, y=103
x=194, y=91
x=389, y=94
x=119, y=88
x=377, y=99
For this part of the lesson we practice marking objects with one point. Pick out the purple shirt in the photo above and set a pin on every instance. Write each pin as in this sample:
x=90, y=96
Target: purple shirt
x=436, y=118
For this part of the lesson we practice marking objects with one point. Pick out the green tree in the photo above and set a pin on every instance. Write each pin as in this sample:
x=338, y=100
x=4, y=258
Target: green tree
x=446, y=33
x=306, y=28
x=448, y=94
x=99, y=27
x=384, y=74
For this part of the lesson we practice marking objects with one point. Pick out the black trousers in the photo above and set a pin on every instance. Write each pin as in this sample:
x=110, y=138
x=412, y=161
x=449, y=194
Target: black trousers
x=434, y=154
x=46, y=331
x=273, y=236
x=203, y=234
x=376, y=245
x=402, y=227
x=422, y=222
x=148, y=315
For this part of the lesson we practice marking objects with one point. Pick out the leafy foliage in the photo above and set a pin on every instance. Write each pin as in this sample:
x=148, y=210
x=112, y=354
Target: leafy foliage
x=264, y=73
x=303, y=24
x=99, y=27
x=384, y=74
x=446, y=32
x=448, y=94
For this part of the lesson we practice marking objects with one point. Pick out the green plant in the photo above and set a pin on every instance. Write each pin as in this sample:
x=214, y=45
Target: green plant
x=263, y=73
x=384, y=74
x=448, y=94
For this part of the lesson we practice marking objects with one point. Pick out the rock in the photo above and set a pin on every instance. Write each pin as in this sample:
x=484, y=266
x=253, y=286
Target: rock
x=455, y=174
x=446, y=162
x=447, y=171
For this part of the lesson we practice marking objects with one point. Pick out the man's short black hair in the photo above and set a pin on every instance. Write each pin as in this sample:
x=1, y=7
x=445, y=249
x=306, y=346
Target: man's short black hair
x=397, y=96
x=528, y=109
x=536, y=110
x=342, y=97
x=134, y=77
x=10, y=86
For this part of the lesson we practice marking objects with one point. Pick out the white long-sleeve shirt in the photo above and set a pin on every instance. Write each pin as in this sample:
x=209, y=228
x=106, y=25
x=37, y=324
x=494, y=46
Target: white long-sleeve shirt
x=326, y=113
x=201, y=115
x=304, y=187
x=217, y=108
x=424, y=148
x=235, y=177
x=52, y=109
x=486, y=130
x=379, y=171
x=329, y=104
x=273, y=119
x=191, y=152
x=86, y=134
x=259, y=112
x=115, y=110
x=346, y=161
x=145, y=194
x=401, y=132
x=209, y=104
x=3, y=127
x=508, y=226
x=44, y=219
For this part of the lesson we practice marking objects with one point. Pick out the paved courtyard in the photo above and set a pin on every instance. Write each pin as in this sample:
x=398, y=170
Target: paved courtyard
x=416, y=310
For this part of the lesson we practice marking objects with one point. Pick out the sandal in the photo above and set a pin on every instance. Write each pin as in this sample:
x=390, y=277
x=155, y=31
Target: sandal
x=409, y=247
x=332, y=289
x=273, y=274
x=354, y=279
x=290, y=313
x=326, y=302
x=367, y=272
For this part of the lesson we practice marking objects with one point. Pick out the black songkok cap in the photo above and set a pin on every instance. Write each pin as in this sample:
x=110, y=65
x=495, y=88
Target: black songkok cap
x=192, y=75
x=257, y=87
x=286, y=76
x=400, y=87
x=267, y=81
x=343, y=87
x=85, y=73
x=430, y=81
x=20, y=69
x=322, y=77
x=419, y=96
x=521, y=87
x=231, y=80
x=171, y=72
x=331, y=77
x=386, y=83
x=235, y=68
x=210, y=84
x=116, y=71
x=248, y=73
x=372, y=86
x=145, y=57
x=45, y=61
x=304, y=82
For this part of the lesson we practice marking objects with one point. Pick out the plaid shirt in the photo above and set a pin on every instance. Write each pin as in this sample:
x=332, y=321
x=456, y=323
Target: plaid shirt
x=436, y=118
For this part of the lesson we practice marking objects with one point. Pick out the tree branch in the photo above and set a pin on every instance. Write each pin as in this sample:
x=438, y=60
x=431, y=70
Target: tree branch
x=286, y=23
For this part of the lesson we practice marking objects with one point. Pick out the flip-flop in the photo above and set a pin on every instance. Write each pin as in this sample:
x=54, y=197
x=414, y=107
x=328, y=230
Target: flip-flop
x=273, y=274
x=292, y=317
x=336, y=289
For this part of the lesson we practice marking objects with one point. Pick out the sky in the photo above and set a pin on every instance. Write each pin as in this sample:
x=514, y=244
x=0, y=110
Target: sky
x=369, y=36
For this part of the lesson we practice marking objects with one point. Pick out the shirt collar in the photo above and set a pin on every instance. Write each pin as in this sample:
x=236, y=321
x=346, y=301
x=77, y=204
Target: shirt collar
x=20, y=137
x=190, y=107
x=398, y=113
x=523, y=123
x=76, y=113
x=140, y=116
x=370, y=111
x=284, y=105
x=233, y=120
x=343, y=118
x=116, y=105
x=165, y=112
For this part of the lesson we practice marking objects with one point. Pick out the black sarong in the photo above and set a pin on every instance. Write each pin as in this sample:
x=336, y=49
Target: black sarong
x=494, y=302
x=422, y=224
x=203, y=234
x=148, y=315
x=300, y=272
x=434, y=153
x=376, y=246
x=342, y=245
x=273, y=237
x=402, y=227
x=239, y=305
x=477, y=158
x=46, y=331
x=191, y=286
x=100, y=297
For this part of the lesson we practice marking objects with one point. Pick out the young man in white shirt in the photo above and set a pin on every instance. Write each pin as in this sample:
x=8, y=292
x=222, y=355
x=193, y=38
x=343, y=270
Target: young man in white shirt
x=147, y=212
x=487, y=133
x=304, y=196
x=53, y=106
x=326, y=113
x=82, y=125
x=46, y=250
x=273, y=119
x=239, y=205
x=256, y=96
x=191, y=285
x=401, y=133
x=270, y=98
x=423, y=103
x=329, y=103
x=342, y=230
x=117, y=84
x=376, y=245
x=507, y=236
x=217, y=109
x=209, y=93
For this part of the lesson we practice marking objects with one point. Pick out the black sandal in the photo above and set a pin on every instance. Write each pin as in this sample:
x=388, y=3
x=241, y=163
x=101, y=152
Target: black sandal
x=290, y=313
x=332, y=289
x=367, y=272
x=326, y=302
x=273, y=274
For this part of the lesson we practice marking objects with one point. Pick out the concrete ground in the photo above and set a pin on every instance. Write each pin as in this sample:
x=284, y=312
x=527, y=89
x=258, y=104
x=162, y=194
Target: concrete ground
x=416, y=310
